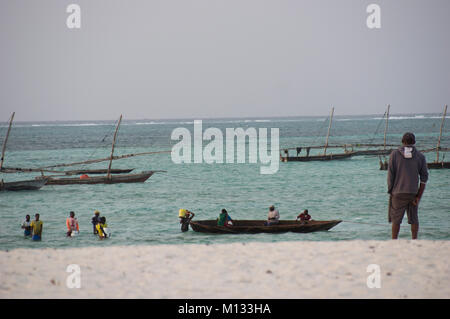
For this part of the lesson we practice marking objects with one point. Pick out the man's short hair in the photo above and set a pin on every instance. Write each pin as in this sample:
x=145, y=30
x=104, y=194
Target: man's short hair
x=408, y=139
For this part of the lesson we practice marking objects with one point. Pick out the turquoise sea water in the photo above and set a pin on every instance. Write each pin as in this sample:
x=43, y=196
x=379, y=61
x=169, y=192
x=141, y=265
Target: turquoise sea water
x=146, y=213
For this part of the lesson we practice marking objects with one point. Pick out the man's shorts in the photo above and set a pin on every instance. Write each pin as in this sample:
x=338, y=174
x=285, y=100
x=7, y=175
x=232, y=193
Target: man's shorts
x=36, y=237
x=398, y=204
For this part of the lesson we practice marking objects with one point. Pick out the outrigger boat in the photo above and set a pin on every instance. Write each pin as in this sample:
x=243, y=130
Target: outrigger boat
x=437, y=164
x=108, y=179
x=98, y=171
x=384, y=151
x=321, y=157
x=257, y=226
x=29, y=185
x=112, y=179
x=18, y=185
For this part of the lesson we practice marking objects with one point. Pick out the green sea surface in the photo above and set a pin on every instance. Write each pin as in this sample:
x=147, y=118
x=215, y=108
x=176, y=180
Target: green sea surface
x=353, y=190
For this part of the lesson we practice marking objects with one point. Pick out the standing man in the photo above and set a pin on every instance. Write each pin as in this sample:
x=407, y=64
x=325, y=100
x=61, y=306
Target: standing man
x=95, y=220
x=37, y=225
x=406, y=166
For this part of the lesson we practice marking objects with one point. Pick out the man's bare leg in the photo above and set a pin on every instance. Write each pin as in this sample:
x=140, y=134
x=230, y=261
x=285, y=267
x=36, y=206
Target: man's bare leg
x=395, y=230
x=414, y=230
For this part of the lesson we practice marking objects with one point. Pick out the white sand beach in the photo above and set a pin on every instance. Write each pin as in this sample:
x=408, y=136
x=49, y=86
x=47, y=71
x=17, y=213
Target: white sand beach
x=408, y=269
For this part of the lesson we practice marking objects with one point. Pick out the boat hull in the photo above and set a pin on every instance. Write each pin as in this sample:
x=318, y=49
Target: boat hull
x=440, y=165
x=114, y=179
x=257, y=226
x=99, y=171
x=316, y=157
x=28, y=185
x=372, y=152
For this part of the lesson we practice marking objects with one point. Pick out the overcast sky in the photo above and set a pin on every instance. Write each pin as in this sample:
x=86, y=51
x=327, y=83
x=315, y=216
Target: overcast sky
x=221, y=58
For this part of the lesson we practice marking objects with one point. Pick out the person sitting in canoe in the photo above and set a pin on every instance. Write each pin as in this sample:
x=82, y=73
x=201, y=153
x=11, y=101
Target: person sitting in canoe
x=273, y=217
x=185, y=218
x=72, y=225
x=224, y=219
x=304, y=217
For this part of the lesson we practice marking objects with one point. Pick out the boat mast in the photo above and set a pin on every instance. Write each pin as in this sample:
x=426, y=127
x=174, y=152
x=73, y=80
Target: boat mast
x=329, y=127
x=108, y=175
x=6, y=140
x=440, y=135
x=386, y=127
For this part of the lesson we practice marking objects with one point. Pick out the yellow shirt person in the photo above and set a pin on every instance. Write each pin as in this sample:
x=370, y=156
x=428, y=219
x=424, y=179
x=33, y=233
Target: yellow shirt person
x=37, y=225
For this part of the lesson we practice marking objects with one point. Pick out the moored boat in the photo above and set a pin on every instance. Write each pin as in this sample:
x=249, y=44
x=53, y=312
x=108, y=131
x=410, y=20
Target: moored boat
x=327, y=157
x=373, y=152
x=109, y=178
x=321, y=157
x=112, y=179
x=17, y=185
x=22, y=185
x=257, y=226
x=99, y=171
x=437, y=164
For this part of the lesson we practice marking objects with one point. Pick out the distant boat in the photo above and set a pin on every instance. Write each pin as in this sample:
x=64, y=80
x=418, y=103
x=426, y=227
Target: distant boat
x=22, y=185
x=321, y=157
x=107, y=179
x=437, y=164
x=257, y=226
x=18, y=185
x=113, y=179
x=98, y=171
x=327, y=157
x=384, y=151
x=433, y=165
x=373, y=152
x=440, y=164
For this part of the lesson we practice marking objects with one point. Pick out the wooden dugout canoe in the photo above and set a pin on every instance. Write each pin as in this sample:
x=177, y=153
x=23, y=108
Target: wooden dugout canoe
x=28, y=185
x=98, y=171
x=114, y=179
x=327, y=157
x=432, y=165
x=373, y=152
x=257, y=226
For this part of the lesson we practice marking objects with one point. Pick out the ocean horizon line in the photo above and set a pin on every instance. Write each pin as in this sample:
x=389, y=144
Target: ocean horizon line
x=189, y=120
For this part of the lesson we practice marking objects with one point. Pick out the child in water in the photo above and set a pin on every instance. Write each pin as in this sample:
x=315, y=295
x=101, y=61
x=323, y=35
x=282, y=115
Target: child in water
x=72, y=225
x=102, y=228
x=26, y=226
